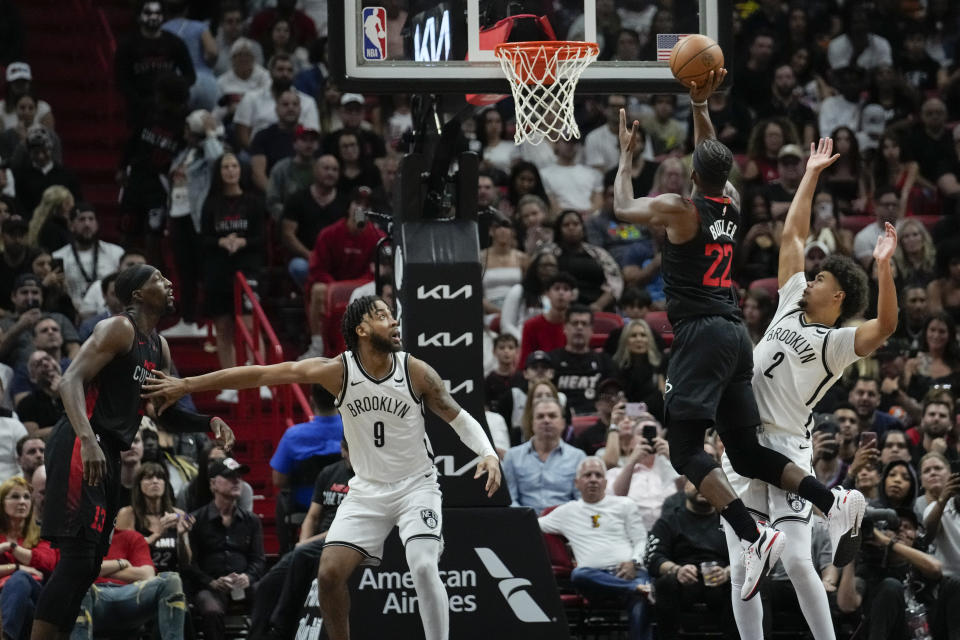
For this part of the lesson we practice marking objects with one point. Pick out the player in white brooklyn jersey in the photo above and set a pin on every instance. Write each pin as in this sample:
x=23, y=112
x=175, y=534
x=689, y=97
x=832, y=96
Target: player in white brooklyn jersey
x=802, y=354
x=381, y=392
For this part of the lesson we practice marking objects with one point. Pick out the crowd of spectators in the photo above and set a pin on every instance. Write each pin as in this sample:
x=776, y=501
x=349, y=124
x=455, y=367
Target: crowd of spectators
x=243, y=153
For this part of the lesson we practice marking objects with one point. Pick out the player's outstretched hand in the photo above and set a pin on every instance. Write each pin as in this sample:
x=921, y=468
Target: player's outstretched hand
x=628, y=137
x=223, y=434
x=886, y=243
x=714, y=80
x=821, y=155
x=490, y=465
x=164, y=389
x=94, y=462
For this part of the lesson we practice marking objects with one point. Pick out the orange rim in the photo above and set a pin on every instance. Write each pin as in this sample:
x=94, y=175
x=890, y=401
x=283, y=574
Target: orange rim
x=543, y=67
x=573, y=48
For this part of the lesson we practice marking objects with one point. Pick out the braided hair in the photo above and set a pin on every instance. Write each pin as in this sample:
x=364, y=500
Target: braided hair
x=712, y=160
x=353, y=316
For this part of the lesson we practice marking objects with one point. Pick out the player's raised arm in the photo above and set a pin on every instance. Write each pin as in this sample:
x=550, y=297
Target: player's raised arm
x=648, y=211
x=702, y=126
x=796, y=227
x=429, y=386
x=110, y=338
x=873, y=333
x=325, y=372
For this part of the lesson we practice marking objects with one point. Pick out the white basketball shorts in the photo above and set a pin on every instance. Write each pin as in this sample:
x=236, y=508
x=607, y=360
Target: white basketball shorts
x=372, y=509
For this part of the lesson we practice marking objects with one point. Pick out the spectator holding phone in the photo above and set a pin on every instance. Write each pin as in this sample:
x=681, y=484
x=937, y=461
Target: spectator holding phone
x=829, y=468
x=646, y=475
x=941, y=519
x=53, y=282
x=867, y=456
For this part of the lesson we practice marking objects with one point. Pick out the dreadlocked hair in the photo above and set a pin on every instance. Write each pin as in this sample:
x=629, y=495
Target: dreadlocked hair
x=853, y=283
x=712, y=160
x=353, y=316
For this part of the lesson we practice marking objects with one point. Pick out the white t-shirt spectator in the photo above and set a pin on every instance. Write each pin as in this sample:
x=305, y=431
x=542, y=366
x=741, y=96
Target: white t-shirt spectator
x=10, y=119
x=11, y=430
x=877, y=53
x=502, y=155
x=498, y=430
x=602, y=534
x=230, y=84
x=866, y=241
x=571, y=187
x=649, y=487
x=97, y=265
x=837, y=111
x=947, y=542
x=602, y=149
x=258, y=110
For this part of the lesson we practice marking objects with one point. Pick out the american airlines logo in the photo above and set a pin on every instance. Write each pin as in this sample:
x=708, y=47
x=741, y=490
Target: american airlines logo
x=464, y=387
x=444, y=339
x=514, y=589
x=444, y=292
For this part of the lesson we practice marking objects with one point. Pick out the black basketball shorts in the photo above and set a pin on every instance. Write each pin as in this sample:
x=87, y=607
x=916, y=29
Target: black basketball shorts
x=709, y=374
x=73, y=508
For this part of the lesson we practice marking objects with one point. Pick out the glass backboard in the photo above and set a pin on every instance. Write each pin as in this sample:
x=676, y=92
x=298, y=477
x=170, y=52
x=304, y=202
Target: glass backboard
x=446, y=46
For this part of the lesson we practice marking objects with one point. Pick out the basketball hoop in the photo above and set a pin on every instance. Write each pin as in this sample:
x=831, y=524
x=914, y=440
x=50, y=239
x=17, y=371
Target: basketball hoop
x=543, y=77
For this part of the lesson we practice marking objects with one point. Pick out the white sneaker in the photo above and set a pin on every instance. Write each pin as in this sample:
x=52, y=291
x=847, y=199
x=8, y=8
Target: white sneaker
x=312, y=352
x=184, y=330
x=229, y=396
x=759, y=557
x=265, y=393
x=843, y=524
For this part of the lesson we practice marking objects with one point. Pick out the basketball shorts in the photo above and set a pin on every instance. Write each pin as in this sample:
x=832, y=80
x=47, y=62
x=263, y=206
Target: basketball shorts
x=710, y=372
x=72, y=507
x=764, y=501
x=371, y=510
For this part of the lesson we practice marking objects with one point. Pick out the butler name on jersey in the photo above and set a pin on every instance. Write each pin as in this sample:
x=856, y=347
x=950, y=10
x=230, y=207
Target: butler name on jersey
x=796, y=362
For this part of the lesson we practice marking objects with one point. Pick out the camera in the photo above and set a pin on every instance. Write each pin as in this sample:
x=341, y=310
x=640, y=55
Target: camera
x=874, y=518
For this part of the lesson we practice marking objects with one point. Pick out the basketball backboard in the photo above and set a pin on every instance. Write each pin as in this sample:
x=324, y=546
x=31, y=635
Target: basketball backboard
x=444, y=46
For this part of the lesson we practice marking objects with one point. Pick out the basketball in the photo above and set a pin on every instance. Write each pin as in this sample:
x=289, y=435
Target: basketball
x=694, y=57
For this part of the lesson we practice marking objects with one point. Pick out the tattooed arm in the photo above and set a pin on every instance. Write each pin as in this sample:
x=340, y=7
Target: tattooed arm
x=428, y=385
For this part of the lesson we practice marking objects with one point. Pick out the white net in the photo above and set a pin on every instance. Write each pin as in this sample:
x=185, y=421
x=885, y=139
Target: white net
x=543, y=78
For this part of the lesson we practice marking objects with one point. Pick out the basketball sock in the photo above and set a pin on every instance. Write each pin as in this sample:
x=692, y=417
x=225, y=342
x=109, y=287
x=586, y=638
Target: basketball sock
x=422, y=555
x=741, y=521
x=748, y=614
x=811, y=594
x=813, y=490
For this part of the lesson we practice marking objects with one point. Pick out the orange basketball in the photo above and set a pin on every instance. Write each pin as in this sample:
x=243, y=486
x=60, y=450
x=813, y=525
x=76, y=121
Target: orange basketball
x=693, y=58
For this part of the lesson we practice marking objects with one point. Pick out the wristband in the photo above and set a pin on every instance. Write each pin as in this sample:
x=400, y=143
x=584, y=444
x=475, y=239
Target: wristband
x=698, y=104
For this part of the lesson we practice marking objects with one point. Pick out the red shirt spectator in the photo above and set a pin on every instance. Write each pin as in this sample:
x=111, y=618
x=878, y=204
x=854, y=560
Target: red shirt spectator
x=545, y=331
x=303, y=27
x=128, y=545
x=43, y=558
x=344, y=250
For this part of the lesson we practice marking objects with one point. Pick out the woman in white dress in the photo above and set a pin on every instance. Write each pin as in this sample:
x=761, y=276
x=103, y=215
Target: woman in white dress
x=503, y=265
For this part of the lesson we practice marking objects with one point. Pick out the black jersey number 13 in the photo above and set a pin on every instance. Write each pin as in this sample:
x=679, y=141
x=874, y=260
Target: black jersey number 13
x=722, y=255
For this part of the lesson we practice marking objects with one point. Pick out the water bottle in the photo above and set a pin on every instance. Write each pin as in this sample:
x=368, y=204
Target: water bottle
x=916, y=614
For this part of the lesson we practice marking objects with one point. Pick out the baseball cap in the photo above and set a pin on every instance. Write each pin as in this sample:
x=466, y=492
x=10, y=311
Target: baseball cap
x=302, y=131
x=347, y=98
x=790, y=151
x=816, y=244
x=609, y=385
x=228, y=468
x=538, y=357
x=37, y=136
x=19, y=71
x=25, y=279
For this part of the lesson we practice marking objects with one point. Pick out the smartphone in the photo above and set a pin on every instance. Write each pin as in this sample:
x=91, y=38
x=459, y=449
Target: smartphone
x=56, y=264
x=649, y=432
x=636, y=409
x=868, y=439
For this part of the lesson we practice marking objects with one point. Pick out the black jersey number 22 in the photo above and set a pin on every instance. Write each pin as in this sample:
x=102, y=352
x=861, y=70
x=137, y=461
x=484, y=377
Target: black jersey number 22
x=722, y=257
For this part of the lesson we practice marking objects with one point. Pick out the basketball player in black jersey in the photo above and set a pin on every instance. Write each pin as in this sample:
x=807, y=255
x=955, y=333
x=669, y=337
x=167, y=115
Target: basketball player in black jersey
x=711, y=360
x=101, y=396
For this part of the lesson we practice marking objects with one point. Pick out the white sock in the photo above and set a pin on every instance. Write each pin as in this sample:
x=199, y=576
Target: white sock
x=806, y=581
x=749, y=614
x=316, y=342
x=422, y=555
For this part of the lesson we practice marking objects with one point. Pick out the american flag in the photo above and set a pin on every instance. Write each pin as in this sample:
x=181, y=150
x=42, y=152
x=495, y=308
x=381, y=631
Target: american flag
x=665, y=42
